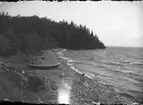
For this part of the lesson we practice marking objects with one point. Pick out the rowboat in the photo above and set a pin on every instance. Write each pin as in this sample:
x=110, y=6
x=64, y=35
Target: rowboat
x=43, y=66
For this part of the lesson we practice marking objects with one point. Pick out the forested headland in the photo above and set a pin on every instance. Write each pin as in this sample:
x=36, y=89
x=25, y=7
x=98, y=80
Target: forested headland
x=32, y=34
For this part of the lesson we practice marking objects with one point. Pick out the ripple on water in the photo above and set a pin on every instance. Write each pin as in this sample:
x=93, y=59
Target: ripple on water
x=116, y=67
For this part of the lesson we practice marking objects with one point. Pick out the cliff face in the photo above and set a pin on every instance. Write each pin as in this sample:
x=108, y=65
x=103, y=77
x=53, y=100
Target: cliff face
x=31, y=34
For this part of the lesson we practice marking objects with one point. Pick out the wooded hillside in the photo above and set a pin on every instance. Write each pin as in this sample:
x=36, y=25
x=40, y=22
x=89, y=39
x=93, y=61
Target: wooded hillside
x=31, y=34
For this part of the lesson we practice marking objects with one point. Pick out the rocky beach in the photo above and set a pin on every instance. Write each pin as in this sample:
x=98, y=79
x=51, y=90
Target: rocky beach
x=71, y=53
x=61, y=85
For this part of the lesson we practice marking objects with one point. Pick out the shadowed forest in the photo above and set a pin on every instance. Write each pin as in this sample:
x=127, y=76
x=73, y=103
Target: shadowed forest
x=32, y=34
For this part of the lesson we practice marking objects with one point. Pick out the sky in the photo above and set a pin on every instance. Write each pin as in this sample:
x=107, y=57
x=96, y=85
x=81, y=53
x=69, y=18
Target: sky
x=115, y=23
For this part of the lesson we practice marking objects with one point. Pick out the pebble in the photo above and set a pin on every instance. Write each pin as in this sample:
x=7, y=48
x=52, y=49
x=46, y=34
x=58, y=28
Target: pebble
x=135, y=103
x=23, y=72
x=6, y=99
x=96, y=103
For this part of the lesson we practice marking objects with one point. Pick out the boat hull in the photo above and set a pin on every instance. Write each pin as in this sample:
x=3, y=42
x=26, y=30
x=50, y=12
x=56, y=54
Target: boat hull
x=43, y=66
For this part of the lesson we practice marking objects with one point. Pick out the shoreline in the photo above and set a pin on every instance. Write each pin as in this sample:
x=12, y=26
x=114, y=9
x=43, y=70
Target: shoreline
x=122, y=99
x=65, y=85
x=136, y=99
x=61, y=55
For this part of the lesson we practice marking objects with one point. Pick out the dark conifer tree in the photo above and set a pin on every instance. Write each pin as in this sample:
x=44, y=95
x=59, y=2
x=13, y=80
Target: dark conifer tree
x=27, y=32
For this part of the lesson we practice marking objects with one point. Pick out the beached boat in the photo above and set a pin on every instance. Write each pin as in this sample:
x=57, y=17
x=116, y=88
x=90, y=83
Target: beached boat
x=43, y=66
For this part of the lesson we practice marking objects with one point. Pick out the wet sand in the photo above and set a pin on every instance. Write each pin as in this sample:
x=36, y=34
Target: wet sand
x=63, y=85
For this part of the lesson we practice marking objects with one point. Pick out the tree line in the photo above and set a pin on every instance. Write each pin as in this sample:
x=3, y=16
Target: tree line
x=32, y=34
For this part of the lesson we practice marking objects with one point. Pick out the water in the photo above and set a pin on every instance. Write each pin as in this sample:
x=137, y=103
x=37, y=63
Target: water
x=119, y=67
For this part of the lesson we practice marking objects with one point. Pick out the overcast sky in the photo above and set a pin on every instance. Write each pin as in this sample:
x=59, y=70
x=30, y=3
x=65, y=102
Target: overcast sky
x=116, y=23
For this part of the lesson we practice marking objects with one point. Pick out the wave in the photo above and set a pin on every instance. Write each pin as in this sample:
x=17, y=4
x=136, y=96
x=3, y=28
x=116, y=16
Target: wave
x=106, y=66
x=65, y=58
x=131, y=73
x=138, y=65
x=87, y=74
x=72, y=61
x=122, y=65
x=139, y=79
x=127, y=72
x=137, y=62
x=139, y=58
x=115, y=63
